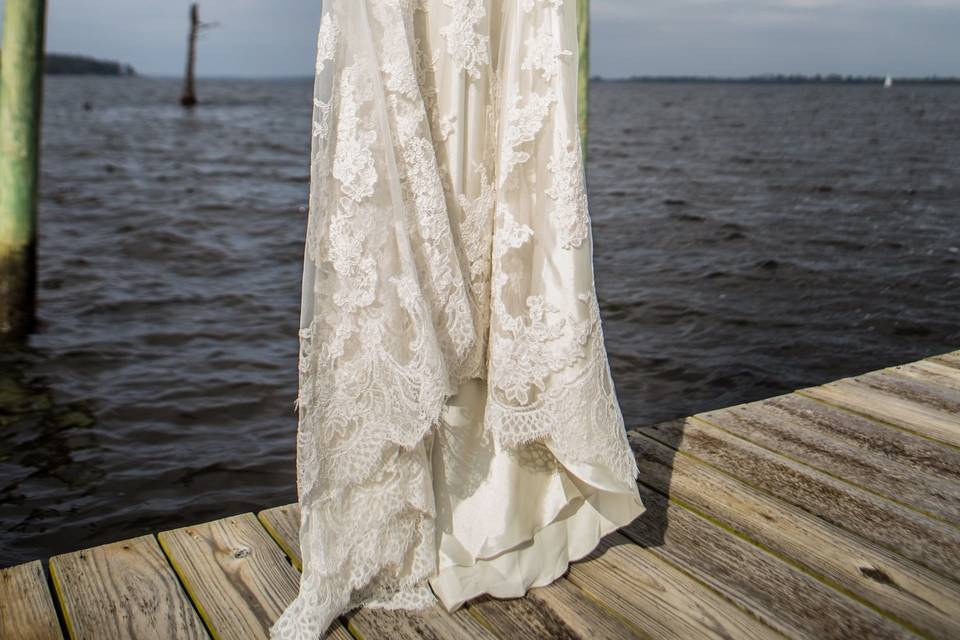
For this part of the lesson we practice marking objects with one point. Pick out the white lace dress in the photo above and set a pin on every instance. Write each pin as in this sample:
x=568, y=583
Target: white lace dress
x=458, y=433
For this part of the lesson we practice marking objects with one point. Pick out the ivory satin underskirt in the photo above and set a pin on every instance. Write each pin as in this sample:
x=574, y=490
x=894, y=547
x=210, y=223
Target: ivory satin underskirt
x=512, y=519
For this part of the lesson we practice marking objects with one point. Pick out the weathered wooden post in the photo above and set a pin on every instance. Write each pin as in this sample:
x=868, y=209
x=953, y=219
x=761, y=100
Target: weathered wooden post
x=583, y=31
x=189, y=97
x=21, y=96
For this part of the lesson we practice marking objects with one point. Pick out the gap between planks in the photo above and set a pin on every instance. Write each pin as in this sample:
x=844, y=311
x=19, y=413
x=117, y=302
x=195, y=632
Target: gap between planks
x=716, y=423
x=893, y=586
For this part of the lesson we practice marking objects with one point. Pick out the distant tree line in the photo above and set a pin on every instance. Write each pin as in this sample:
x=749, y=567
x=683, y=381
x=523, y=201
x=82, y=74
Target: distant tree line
x=67, y=64
x=774, y=78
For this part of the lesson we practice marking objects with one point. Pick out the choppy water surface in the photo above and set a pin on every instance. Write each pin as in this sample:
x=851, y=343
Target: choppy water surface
x=749, y=240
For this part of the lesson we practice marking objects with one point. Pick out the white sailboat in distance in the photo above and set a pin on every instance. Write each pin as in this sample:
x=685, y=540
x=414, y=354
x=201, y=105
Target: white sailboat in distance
x=888, y=82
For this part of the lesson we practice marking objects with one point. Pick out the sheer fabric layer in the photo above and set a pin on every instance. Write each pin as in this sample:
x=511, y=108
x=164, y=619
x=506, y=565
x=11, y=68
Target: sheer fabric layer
x=458, y=426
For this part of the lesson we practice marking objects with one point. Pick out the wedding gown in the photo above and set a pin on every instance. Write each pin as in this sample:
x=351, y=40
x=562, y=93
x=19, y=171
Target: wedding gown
x=459, y=431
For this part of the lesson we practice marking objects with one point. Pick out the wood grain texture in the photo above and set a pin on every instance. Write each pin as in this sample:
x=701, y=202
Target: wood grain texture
x=949, y=359
x=792, y=601
x=661, y=600
x=906, y=413
x=283, y=525
x=863, y=452
x=238, y=578
x=123, y=591
x=931, y=372
x=906, y=590
x=26, y=608
x=935, y=396
x=929, y=542
x=559, y=610
x=434, y=623
x=821, y=423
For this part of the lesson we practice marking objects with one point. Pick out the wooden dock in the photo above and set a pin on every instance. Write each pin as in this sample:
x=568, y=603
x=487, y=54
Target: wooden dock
x=829, y=512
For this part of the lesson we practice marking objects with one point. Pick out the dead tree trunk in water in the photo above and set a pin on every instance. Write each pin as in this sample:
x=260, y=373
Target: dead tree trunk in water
x=189, y=97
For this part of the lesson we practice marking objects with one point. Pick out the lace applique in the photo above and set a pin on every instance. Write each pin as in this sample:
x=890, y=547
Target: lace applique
x=544, y=52
x=468, y=48
x=447, y=126
x=321, y=121
x=569, y=194
x=522, y=125
x=353, y=165
x=476, y=227
x=539, y=344
x=423, y=188
x=326, y=40
x=398, y=68
x=528, y=5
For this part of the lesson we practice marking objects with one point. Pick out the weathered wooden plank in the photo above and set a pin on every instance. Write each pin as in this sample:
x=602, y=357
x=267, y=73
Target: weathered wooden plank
x=284, y=524
x=123, y=591
x=906, y=590
x=931, y=372
x=856, y=449
x=919, y=391
x=235, y=573
x=926, y=541
x=881, y=440
x=26, y=608
x=657, y=597
x=854, y=395
x=950, y=359
x=560, y=610
x=792, y=601
x=434, y=623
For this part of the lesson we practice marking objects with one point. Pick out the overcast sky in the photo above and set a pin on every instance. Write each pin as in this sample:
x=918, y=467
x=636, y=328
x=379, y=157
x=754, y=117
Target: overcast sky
x=630, y=37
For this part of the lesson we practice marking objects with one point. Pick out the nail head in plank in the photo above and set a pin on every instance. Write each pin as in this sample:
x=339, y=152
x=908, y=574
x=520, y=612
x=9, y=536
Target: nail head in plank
x=123, y=591
x=928, y=542
x=892, y=583
x=788, y=599
x=26, y=608
x=661, y=600
x=237, y=576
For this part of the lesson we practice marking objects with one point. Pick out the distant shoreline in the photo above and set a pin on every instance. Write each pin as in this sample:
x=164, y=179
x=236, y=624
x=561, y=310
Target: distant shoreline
x=55, y=64
x=784, y=79
x=68, y=64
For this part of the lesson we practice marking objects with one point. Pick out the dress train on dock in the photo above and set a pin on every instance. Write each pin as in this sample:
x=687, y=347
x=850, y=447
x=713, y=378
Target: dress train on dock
x=459, y=432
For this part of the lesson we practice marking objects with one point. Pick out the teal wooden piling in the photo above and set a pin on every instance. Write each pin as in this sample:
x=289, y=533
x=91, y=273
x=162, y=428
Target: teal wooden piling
x=21, y=91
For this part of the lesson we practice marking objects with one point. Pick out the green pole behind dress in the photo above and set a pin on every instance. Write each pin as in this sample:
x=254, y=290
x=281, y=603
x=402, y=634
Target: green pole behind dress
x=583, y=31
x=21, y=89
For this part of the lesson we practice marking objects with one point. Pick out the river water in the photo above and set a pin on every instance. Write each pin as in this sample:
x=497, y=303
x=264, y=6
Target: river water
x=749, y=240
